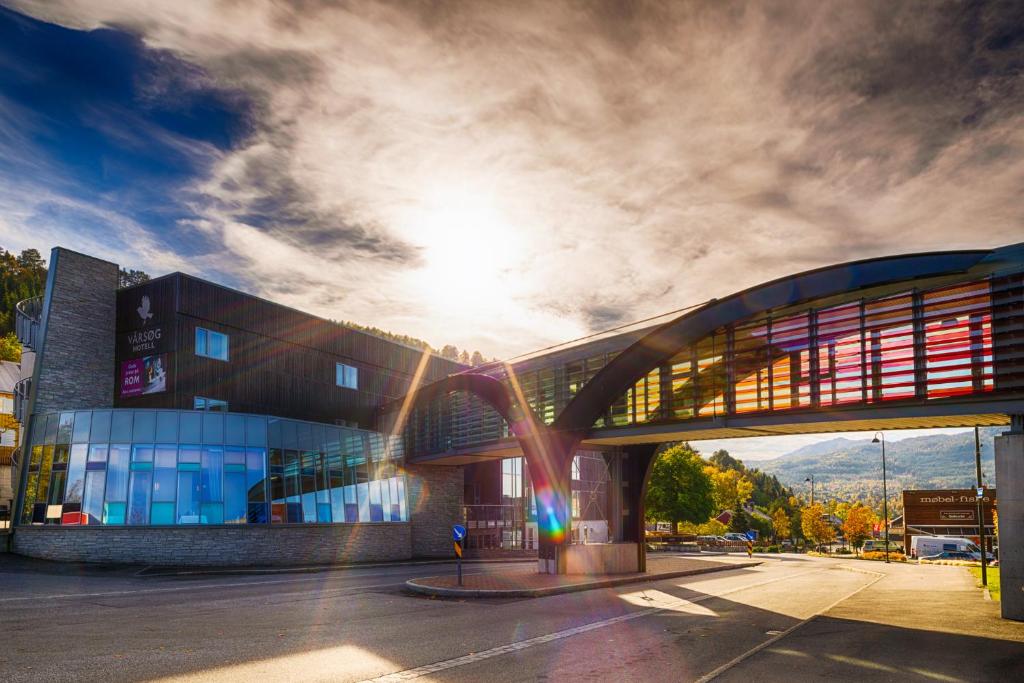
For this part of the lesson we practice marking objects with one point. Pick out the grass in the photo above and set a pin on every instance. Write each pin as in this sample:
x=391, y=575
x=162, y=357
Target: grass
x=993, y=580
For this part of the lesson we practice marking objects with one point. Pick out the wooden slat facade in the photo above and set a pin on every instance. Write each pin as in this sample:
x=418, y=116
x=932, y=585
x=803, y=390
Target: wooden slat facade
x=281, y=361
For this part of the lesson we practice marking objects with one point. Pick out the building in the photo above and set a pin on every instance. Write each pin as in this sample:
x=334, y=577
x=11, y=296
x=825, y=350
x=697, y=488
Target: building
x=946, y=512
x=181, y=403
x=10, y=437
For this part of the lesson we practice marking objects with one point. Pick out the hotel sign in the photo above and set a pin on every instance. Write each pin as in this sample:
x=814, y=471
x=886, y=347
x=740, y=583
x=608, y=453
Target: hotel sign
x=145, y=320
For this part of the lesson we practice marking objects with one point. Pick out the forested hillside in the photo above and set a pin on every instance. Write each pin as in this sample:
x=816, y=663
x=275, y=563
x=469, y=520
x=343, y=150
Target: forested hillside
x=848, y=469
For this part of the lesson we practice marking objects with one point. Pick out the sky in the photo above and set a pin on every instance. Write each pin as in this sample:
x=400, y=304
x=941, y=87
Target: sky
x=506, y=175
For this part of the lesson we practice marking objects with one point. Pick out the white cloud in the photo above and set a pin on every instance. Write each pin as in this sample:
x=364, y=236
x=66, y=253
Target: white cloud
x=505, y=176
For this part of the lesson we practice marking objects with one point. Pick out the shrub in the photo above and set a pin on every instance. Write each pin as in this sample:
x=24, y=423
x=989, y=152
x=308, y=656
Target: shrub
x=878, y=555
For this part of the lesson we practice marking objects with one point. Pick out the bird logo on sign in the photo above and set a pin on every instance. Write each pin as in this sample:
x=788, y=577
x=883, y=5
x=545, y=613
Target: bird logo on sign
x=143, y=310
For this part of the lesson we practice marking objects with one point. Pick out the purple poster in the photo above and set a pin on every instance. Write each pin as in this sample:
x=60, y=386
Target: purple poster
x=147, y=375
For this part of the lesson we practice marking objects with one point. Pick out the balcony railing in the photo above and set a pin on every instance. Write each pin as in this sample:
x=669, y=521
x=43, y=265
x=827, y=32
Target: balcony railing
x=26, y=321
x=21, y=392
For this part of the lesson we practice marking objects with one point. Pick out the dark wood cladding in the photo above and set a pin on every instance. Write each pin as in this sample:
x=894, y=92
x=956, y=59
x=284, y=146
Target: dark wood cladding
x=281, y=361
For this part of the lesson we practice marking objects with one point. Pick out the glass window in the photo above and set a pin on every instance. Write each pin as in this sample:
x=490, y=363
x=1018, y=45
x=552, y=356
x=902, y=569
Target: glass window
x=214, y=404
x=278, y=511
x=235, y=503
x=210, y=344
x=212, y=475
x=81, y=431
x=166, y=426
x=165, y=477
x=346, y=376
x=191, y=428
x=255, y=474
x=67, y=421
x=139, y=493
x=121, y=426
x=100, y=432
x=234, y=430
x=76, y=473
x=188, y=497
x=92, y=501
x=145, y=426
x=117, y=477
x=213, y=428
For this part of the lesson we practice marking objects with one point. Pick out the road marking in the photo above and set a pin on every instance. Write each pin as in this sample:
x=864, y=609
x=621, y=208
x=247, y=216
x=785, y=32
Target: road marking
x=710, y=676
x=566, y=633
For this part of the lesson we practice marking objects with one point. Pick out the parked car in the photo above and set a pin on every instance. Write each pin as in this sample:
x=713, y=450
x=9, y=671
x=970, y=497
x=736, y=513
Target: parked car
x=879, y=547
x=736, y=537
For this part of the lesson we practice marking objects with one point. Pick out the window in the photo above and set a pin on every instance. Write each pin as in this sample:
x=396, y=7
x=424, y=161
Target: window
x=211, y=344
x=346, y=376
x=202, y=403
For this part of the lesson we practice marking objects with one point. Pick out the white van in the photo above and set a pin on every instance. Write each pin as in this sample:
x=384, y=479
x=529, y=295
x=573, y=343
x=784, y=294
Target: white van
x=927, y=546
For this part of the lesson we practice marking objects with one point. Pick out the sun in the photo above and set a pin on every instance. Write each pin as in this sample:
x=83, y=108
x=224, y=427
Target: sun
x=468, y=247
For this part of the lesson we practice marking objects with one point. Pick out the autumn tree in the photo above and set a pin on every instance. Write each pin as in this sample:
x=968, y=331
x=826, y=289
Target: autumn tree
x=780, y=524
x=730, y=488
x=857, y=525
x=815, y=525
x=10, y=348
x=679, y=489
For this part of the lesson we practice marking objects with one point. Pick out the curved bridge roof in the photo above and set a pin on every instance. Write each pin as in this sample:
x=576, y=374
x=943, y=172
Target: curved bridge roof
x=934, y=339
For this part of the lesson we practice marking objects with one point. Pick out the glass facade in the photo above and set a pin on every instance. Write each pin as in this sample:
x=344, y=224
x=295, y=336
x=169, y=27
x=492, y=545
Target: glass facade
x=167, y=467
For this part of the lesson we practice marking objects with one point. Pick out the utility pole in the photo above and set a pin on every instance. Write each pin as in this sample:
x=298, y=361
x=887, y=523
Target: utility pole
x=885, y=494
x=981, y=508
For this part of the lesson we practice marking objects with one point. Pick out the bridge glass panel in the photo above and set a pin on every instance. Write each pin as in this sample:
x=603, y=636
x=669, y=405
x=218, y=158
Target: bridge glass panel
x=957, y=325
x=889, y=335
x=840, y=355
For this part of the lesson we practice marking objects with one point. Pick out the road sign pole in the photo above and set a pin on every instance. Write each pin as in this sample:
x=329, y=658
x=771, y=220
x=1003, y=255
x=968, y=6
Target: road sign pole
x=458, y=534
x=981, y=508
x=458, y=568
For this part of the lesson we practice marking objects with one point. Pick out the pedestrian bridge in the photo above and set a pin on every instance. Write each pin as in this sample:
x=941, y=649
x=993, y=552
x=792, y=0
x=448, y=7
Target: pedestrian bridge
x=910, y=341
x=919, y=341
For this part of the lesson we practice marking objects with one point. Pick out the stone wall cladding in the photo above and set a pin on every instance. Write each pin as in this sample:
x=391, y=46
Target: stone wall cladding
x=435, y=503
x=218, y=546
x=77, y=361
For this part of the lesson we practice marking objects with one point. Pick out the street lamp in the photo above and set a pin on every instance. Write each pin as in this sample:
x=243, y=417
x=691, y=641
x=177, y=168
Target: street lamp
x=811, y=479
x=885, y=492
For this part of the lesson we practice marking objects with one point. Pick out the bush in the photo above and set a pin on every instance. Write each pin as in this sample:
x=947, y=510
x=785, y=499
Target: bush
x=878, y=555
x=767, y=549
x=843, y=551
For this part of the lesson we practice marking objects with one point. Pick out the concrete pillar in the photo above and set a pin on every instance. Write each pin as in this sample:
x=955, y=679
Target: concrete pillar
x=1010, y=487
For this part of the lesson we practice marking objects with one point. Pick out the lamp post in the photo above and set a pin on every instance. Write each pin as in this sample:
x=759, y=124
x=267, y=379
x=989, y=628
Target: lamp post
x=811, y=480
x=885, y=492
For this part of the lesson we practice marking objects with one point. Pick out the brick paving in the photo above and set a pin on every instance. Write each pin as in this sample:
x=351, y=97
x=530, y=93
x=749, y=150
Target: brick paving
x=524, y=581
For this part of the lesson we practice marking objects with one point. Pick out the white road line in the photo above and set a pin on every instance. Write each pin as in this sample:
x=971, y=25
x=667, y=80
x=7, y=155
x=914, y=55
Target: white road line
x=710, y=676
x=566, y=633
x=178, y=589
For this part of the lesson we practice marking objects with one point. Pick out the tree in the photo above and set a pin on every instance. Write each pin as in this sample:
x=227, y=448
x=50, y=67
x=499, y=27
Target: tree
x=679, y=490
x=815, y=525
x=10, y=348
x=857, y=525
x=780, y=524
x=731, y=489
x=464, y=357
x=477, y=360
x=127, y=278
x=450, y=352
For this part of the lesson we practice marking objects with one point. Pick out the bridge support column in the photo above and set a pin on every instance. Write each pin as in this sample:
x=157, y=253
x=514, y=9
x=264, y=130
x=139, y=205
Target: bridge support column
x=550, y=461
x=1010, y=490
x=636, y=468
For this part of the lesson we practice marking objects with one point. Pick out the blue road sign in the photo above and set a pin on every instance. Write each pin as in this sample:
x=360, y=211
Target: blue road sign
x=981, y=492
x=458, y=532
x=752, y=535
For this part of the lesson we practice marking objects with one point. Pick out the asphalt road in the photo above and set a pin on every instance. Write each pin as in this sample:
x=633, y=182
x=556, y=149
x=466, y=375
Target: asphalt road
x=792, y=618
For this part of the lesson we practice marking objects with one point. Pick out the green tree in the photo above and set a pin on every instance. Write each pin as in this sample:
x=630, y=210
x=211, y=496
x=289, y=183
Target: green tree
x=477, y=359
x=128, y=278
x=679, y=490
x=10, y=348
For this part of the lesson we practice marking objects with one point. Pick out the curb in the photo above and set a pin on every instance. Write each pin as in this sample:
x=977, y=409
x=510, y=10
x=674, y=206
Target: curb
x=436, y=591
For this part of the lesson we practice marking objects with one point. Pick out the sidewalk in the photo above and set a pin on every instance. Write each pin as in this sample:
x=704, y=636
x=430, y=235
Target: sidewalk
x=525, y=582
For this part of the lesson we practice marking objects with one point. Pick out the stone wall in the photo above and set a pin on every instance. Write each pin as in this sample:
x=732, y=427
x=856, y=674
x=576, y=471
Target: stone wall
x=435, y=504
x=222, y=546
x=76, y=363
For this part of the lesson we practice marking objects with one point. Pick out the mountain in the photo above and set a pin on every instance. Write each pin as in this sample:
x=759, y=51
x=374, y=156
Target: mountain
x=851, y=469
